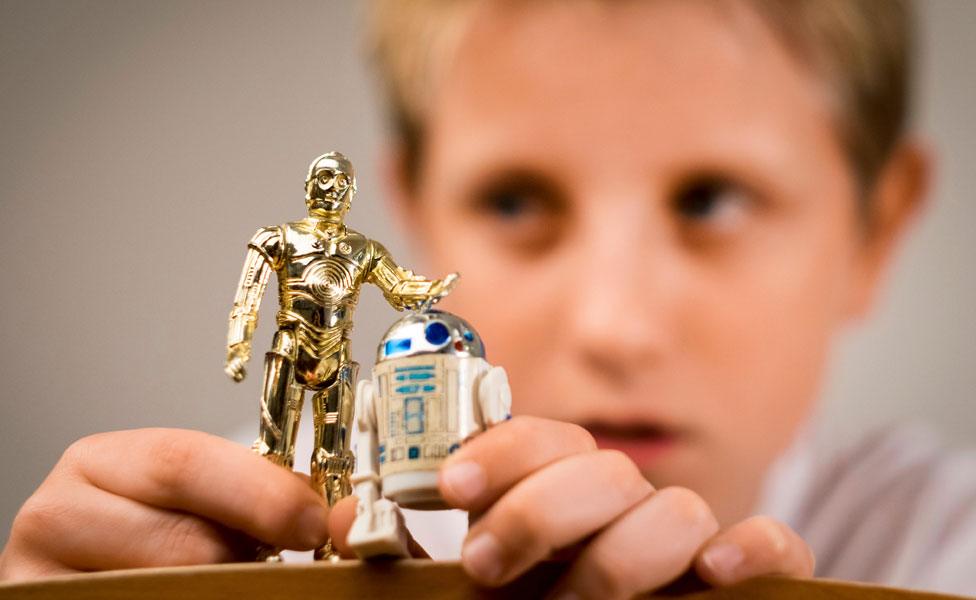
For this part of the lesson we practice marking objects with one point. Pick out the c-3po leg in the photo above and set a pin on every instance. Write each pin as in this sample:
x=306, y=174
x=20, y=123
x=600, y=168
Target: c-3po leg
x=281, y=410
x=281, y=403
x=332, y=461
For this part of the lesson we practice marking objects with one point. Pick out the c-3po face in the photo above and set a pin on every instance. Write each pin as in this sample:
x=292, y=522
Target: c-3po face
x=329, y=187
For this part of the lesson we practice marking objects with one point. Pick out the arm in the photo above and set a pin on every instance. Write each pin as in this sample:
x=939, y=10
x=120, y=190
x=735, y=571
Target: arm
x=401, y=287
x=261, y=256
x=494, y=397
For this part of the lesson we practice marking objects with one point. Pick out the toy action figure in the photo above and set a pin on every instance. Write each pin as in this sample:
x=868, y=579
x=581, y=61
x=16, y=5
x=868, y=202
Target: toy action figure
x=431, y=390
x=321, y=266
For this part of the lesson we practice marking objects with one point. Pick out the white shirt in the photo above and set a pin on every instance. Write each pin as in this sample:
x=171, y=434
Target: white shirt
x=896, y=509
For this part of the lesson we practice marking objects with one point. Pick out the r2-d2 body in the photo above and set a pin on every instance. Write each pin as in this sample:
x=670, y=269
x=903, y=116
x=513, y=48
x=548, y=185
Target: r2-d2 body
x=431, y=390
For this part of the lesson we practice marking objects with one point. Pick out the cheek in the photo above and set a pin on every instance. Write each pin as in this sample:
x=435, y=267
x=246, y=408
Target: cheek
x=511, y=303
x=768, y=323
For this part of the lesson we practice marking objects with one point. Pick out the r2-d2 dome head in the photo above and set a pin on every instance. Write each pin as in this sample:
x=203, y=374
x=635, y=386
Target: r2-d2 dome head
x=430, y=332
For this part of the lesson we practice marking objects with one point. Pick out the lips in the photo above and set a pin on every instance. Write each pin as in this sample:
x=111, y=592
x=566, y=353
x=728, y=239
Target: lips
x=645, y=444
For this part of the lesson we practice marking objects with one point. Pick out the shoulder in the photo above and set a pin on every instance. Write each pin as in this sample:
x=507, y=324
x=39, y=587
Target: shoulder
x=268, y=241
x=357, y=240
x=374, y=250
x=897, y=507
x=266, y=235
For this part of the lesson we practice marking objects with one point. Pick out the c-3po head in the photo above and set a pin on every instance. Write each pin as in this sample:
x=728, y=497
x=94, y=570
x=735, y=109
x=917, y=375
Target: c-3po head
x=329, y=187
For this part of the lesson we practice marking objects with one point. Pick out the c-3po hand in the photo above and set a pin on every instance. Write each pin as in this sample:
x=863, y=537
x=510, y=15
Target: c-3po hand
x=445, y=286
x=438, y=291
x=237, y=357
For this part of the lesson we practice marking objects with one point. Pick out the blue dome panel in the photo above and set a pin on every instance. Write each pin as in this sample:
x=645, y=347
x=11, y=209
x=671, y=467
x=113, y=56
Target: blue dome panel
x=436, y=333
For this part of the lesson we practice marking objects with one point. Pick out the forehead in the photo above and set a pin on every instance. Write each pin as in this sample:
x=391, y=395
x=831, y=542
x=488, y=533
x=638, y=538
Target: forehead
x=625, y=85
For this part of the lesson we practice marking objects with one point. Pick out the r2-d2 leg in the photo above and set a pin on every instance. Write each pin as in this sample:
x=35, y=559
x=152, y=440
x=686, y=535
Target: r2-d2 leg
x=379, y=529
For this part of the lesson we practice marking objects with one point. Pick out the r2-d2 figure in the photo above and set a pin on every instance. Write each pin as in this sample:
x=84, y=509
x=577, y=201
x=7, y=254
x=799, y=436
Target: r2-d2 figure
x=431, y=390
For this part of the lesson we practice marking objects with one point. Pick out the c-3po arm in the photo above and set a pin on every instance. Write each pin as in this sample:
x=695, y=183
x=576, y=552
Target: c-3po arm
x=401, y=287
x=258, y=264
x=379, y=528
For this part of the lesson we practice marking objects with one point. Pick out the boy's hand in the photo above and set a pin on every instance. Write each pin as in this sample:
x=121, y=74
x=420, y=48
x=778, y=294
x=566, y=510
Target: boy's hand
x=543, y=486
x=159, y=497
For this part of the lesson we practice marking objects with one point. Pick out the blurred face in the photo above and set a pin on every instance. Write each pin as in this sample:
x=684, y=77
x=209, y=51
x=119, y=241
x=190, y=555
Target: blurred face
x=655, y=225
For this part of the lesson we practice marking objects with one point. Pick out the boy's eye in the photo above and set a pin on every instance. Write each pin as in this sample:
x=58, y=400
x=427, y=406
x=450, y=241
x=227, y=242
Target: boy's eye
x=711, y=201
x=509, y=204
x=521, y=210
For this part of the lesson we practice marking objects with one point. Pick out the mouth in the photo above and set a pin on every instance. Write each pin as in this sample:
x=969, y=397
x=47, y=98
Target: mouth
x=329, y=203
x=645, y=444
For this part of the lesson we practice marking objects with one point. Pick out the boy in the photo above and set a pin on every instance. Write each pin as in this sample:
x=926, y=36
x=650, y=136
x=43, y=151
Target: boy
x=663, y=212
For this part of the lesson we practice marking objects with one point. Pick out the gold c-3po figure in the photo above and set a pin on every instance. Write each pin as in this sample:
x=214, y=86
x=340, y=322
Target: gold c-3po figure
x=320, y=266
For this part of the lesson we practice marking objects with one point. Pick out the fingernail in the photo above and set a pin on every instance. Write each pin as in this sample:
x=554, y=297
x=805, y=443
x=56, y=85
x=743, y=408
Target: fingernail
x=723, y=559
x=465, y=481
x=314, y=524
x=482, y=558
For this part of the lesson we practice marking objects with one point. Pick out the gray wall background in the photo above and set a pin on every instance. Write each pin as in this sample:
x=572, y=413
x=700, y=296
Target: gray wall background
x=141, y=143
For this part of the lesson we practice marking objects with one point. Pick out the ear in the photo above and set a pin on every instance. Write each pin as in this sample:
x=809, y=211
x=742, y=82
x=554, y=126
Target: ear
x=894, y=203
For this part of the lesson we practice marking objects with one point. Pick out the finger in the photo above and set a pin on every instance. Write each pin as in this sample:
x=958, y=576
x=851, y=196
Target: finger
x=97, y=530
x=17, y=566
x=206, y=476
x=757, y=546
x=553, y=508
x=340, y=522
x=487, y=466
x=648, y=547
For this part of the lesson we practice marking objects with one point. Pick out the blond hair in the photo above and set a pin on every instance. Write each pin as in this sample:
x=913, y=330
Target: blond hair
x=860, y=49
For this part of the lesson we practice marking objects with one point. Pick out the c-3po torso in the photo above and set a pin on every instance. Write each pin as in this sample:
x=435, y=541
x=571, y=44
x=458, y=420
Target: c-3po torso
x=321, y=266
x=319, y=277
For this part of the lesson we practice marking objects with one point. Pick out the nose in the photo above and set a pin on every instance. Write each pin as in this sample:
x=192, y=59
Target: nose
x=621, y=316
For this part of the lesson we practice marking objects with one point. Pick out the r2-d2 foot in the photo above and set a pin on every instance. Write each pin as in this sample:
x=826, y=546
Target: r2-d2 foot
x=378, y=530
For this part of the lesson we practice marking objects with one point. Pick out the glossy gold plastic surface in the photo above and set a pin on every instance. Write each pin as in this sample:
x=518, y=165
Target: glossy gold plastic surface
x=321, y=266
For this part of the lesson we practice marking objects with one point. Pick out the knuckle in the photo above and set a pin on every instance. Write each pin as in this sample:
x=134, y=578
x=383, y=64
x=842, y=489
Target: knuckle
x=618, y=464
x=523, y=519
x=690, y=508
x=773, y=535
x=172, y=461
x=519, y=427
x=39, y=519
x=522, y=427
x=580, y=436
x=521, y=529
x=619, y=468
x=79, y=451
x=609, y=574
